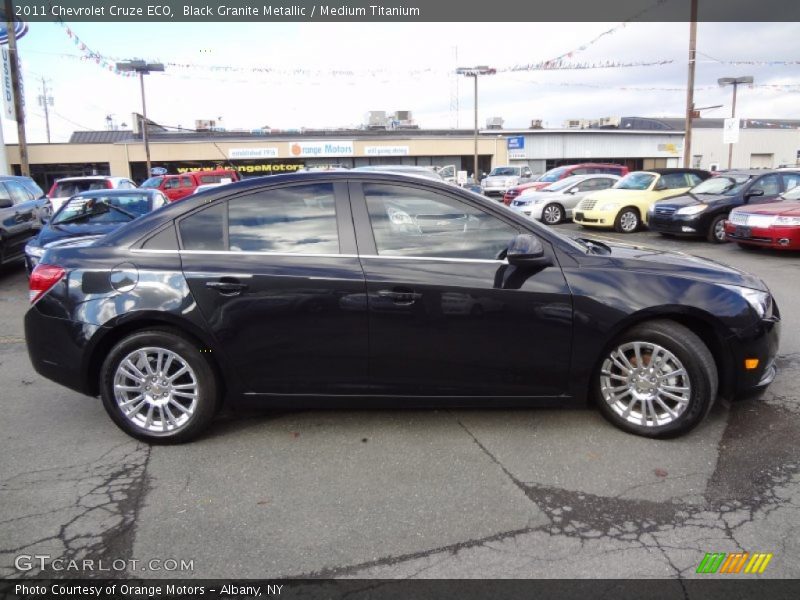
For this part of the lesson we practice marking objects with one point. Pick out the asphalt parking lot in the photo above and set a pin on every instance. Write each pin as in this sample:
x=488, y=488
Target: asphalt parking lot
x=389, y=493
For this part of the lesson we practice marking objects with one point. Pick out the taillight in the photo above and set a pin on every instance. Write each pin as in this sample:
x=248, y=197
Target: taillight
x=42, y=279
x=109, y=185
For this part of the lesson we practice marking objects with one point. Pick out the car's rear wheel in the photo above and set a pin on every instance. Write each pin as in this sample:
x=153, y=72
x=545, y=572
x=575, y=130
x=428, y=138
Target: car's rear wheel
x=627, y=220
x=657, y=380
x=553, y=214
x=158, y=387
x=716, y=231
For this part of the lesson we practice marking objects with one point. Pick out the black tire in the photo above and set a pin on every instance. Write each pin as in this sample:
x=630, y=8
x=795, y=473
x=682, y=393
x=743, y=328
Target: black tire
x=625, y=217
x=714, y=229
x=207, y=397
x=557, y=212
x=696, y=360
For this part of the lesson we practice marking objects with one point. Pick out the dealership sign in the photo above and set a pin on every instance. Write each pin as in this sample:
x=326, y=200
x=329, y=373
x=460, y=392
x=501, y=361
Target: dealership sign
x=234, y=153
x=516, y=142
x=321, y=149
x=730, y=131
x=386, y=151
x=20, y=29
x=8, y=89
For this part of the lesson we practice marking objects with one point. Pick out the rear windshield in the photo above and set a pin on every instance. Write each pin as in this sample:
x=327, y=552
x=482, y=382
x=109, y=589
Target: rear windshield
x=723, y=184
x=219, y=178
x=103, y=209
x=504, y=171
x=65, y=189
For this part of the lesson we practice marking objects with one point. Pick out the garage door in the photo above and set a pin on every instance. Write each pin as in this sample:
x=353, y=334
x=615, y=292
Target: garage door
x=761, y=161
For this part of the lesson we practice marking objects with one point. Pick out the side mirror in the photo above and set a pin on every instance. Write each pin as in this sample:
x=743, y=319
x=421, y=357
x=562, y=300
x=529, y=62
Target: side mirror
x=660, y=187
x=526, y=250
x=754, y=193
x=572, y=190
x=5, y=203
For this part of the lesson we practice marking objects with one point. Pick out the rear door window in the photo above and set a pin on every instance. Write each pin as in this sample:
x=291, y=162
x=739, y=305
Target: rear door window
x=205, y=229
x=770, y=184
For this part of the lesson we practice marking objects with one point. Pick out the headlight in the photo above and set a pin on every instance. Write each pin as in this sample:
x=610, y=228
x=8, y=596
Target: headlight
x=523, y=202
x=691, y=210
x=608, y=206
x=34, y=251
x=760, y=301
x=787, y=221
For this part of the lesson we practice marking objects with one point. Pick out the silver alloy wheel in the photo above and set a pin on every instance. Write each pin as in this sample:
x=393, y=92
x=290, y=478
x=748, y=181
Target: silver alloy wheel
x=156, y=390
x=645, y=384
x=719, y=230
x=552, y=214
x=628, y=221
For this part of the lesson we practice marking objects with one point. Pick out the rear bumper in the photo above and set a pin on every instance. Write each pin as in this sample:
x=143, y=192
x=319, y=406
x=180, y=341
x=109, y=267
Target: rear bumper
x=58, y=349
x=781, y=238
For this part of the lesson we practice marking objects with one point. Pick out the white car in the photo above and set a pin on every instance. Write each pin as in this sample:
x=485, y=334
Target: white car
x=68, y=187
x=555, y=203
x=500, y=179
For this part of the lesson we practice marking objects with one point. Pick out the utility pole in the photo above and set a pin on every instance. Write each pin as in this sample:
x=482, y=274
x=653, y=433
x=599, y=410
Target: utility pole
x=45, y=101
x=475, y=72
x=142, y=68
x=687, y=144
x=13, y=61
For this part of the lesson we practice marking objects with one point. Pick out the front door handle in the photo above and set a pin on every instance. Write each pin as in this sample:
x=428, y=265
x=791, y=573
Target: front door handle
x=19, y=217
x=227, y=287
x=400, y=296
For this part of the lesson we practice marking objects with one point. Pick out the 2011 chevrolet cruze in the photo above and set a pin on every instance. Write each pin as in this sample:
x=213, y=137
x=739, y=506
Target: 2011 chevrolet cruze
x=377, y=285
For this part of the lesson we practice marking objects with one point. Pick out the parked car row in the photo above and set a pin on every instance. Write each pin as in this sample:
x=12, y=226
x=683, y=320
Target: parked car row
x=675, y=202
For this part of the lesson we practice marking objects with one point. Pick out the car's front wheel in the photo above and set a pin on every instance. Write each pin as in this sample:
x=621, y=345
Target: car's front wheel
x=158, y=387
x=716, y=231
x=657, y=380
x=553, y=214
x=627, y=220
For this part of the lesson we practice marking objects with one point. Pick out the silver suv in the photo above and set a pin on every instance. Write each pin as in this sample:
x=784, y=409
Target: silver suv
x=500, y=179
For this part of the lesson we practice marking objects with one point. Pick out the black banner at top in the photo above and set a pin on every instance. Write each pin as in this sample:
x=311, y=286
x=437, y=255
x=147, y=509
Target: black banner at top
x=405, y=10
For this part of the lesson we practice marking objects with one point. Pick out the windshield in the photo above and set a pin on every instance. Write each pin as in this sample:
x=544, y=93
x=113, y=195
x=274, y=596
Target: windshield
x=504, y=172
x=153, y=182
x=65, y=189
x=553, y=174
x=635, y=181
x=102, y=209
x=562, y=184
x=724, y=184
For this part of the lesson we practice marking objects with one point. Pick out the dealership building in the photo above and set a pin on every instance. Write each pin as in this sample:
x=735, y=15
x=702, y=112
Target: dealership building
x=639, y=143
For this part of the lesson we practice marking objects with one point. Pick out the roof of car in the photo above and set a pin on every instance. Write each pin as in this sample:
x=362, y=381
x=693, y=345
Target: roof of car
x=109, y=192
x=753, y=172
x=667, y=171
x=85, y=177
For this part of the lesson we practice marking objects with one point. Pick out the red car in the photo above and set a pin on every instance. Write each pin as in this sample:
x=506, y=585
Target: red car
x=563, y=172
x=774, y=225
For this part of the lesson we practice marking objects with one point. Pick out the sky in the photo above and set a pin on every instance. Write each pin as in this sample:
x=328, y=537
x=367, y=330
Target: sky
x=397, y=66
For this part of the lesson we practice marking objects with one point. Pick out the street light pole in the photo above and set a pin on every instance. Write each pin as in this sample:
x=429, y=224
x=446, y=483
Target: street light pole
x=687, y=143
x=142, y=68
x=735, y=82
x=475, y=72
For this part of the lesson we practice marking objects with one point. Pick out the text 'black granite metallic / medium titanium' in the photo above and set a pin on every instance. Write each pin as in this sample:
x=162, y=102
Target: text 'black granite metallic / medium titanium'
x=377, y=287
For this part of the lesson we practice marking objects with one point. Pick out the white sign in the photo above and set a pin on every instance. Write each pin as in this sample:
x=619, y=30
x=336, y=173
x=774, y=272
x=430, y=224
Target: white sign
x=386, y=151
x=461, y=177
x=8, y=89
x=516, y=155
x=321, y=149
x=730, y=131
x=253, y=153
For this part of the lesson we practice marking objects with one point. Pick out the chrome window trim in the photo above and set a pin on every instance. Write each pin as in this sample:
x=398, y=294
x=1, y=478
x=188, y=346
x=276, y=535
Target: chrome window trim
x=297, y=254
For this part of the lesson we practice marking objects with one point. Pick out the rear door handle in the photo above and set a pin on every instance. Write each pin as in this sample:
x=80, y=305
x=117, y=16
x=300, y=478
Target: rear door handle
x=400, y=296
x=227, y=288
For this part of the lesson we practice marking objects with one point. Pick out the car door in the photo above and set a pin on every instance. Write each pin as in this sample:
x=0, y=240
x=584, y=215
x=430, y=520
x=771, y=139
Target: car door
x=447, y=314
x=275, y=273
x=580, y=190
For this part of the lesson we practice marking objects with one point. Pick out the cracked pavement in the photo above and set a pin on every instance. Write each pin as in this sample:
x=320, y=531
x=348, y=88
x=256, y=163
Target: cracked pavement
x=403, y=494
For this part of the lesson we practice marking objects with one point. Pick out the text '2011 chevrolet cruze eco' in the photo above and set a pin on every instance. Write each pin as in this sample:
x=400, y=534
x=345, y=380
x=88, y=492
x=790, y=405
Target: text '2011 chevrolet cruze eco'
x=373, y=285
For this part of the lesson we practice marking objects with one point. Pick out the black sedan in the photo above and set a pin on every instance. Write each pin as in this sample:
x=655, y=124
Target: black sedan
x=376, y=286
x=703, y=210
x=92, y=214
